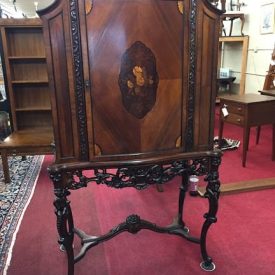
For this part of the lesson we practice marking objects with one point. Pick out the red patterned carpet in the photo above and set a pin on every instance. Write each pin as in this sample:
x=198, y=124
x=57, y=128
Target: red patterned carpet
x=242, y=241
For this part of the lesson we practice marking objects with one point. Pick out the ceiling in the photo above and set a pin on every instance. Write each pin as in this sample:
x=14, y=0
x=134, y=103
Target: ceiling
x=26, y=7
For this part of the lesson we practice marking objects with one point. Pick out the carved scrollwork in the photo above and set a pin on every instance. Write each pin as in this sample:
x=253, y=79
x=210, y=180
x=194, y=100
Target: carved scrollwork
x=139, y=177
x=192, y=75
x=79, y=79
x=55, y=177
x=213, y=188
x=64, y=217
x=199, y=167
x=133, y=223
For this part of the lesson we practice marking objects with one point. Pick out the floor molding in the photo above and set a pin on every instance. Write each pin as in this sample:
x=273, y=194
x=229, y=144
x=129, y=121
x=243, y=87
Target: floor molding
x=243, y=186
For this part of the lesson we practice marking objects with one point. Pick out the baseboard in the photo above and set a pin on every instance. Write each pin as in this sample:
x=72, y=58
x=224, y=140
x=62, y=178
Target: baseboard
x=243, y=186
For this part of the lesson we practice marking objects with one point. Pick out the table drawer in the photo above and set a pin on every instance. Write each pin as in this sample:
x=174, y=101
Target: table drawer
x=234, y=119
x=234, y=108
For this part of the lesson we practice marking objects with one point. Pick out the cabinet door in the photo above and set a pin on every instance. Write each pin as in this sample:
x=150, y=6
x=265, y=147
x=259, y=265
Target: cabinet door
x=136, y=73
x=152, y=67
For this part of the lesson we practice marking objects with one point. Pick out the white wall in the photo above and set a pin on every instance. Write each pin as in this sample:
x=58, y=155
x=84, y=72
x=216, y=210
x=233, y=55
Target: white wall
x=259, y=51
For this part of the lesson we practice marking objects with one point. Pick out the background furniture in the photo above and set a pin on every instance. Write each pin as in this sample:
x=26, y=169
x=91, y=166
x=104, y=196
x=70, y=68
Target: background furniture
x=22, y=143
x=225, y=84
x=268, y=88
x=27, y=88
x=133, y=98
x=4, y=108
x=246, y=111
x=268, y=92
x=270, y=77
x=244, y=40
x=231, y=17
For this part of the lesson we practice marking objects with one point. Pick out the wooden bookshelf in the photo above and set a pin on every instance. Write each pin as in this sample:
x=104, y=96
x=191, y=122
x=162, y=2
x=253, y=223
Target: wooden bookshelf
x=26, y=72
x=27, y=87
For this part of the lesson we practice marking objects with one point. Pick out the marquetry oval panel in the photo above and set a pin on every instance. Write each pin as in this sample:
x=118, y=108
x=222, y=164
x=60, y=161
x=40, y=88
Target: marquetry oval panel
x=138, y=79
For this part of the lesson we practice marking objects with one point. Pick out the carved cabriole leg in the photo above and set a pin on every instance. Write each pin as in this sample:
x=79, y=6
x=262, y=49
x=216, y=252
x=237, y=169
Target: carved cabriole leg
x=183, y=190
x=64, y=217
x=212, y=193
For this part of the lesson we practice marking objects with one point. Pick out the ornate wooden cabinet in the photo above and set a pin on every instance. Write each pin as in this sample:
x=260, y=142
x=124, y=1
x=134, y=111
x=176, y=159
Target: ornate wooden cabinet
x=133, y=94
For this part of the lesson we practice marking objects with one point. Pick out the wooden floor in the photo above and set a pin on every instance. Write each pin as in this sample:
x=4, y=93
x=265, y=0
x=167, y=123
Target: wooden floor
x=243, y=186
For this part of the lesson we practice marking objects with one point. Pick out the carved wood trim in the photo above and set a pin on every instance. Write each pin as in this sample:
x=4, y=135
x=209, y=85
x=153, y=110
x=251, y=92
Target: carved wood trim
x=192, y=77
x=79, y=80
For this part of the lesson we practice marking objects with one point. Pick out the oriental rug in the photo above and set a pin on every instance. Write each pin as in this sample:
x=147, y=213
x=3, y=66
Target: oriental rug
x=14, y=199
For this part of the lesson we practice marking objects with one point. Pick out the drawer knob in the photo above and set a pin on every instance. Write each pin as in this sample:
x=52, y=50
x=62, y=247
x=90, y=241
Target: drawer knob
x=239, y=120
x=239, y=108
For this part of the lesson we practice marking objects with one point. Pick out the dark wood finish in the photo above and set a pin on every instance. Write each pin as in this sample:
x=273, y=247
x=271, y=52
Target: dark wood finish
x=247, y=111
x=105, y=127
x=27, y=86
x=133, y=87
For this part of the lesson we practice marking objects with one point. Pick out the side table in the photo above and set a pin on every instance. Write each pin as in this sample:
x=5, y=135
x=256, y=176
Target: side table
x=247, y=111
x=231, y=17
x=23, y=143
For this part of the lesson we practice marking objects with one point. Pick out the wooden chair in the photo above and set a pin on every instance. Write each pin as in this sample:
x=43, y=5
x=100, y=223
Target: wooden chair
x=231, y=16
